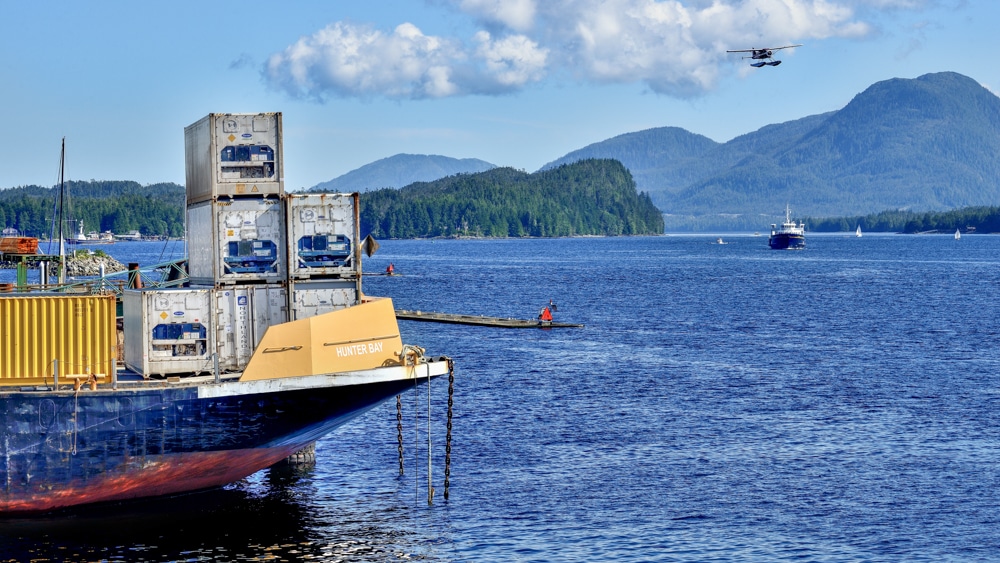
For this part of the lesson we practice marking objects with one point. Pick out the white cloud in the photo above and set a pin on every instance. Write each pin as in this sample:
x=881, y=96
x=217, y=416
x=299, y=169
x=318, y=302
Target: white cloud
x=346, y=60
x=511, y=61
x=674, y=47
x=518, y=15
x=887, y=4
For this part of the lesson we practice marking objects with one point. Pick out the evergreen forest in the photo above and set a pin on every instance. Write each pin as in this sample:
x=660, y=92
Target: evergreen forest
x=591, y=197
x=588, y=197
x=116, y=206
x=969, y=219
x=922, y=144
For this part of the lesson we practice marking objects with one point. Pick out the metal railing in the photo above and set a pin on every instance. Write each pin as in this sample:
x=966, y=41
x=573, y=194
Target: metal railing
x=165, y=274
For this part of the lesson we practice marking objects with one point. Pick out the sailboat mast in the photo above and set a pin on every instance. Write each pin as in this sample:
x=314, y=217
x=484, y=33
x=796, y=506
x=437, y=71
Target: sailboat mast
x=62, y=190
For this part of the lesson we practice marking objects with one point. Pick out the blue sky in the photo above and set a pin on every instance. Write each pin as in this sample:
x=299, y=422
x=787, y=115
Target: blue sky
x=514, y=82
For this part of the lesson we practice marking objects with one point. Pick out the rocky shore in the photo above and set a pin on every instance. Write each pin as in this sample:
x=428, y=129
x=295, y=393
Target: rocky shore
x=82, y=265
x=90, y=265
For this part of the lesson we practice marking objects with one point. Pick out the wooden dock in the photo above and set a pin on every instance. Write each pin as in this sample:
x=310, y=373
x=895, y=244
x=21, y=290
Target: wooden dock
x=479, y=320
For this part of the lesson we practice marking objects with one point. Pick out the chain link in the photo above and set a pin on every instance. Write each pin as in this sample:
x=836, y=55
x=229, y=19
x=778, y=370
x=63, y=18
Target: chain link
x=399, y=430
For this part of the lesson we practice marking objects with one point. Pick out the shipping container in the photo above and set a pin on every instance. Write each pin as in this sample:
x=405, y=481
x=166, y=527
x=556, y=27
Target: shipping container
x=243, y=314
x=270, y=308
x=233, y=155
x=315, y=297
x=236, y=241
x=45, y=335
x=169, y=331
x=323, y=239
x=185, y=330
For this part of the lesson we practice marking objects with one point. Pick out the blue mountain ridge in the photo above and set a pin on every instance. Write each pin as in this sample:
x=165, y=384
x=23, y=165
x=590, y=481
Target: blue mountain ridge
x=922, y=144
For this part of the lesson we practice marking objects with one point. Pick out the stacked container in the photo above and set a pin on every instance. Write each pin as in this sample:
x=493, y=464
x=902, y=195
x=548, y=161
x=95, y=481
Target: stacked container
x=236, y=240
x=257, y=257
x=234, y=171
x=324, y=253
x=170, y=331
x=234, y=155
x=237, y=243
x=181, y=329
x=242, y=315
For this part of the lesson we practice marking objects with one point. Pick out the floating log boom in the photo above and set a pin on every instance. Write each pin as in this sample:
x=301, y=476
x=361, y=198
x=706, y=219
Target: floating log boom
x=479, y=320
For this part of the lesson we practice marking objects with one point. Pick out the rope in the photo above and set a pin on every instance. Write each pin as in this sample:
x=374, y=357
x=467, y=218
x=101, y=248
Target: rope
x=416, y=441
x=76, y=415
x=410, y=355
x=164, y=249
x=430, y=480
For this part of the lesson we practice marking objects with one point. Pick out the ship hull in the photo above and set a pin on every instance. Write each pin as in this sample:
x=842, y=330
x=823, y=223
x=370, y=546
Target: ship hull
x=783, y=241
x=61, y=449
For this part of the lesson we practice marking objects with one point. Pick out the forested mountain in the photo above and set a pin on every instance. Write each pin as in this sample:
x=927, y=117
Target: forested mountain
x=495, y=203
x=592, y=197
x=669, y=158
x=902, y=145
x=117, y=206
x=589, y=197
x=921, y=144
x=401, y=170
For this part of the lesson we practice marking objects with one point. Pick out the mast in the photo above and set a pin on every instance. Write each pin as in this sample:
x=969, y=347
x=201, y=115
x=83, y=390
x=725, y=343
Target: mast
x=62, y=190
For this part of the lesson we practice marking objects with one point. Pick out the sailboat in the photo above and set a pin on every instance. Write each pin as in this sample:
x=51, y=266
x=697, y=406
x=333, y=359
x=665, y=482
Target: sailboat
x=62, y=192
x=858, y=232
x=59, y=218
x=958, y=234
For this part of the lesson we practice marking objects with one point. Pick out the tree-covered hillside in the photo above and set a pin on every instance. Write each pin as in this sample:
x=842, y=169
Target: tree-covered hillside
x=590, y=197
x=923, y=144
x=665, y=159
x=593, y=197
x=117, y=206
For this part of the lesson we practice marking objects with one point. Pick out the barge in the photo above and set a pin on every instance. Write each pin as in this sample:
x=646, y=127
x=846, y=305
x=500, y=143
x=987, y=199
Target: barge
x=199, y=386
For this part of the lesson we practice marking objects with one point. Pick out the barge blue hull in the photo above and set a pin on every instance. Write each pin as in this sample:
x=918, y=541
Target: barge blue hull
x=61, y=448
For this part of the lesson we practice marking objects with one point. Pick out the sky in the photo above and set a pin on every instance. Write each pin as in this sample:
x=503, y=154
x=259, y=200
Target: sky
x=517, y=83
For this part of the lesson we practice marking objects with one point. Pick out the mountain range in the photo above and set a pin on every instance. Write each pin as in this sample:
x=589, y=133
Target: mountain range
x=922, y=144
x=401, y=170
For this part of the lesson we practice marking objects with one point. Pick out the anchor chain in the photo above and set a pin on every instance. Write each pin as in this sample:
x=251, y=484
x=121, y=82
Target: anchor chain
x=416, y=419
x=399, y=430
x=447, y=447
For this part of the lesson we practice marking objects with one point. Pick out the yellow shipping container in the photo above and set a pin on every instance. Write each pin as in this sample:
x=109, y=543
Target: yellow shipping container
x=36, y=330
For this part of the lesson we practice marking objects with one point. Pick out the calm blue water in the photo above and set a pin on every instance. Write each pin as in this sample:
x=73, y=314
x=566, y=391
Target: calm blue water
x=722, y=403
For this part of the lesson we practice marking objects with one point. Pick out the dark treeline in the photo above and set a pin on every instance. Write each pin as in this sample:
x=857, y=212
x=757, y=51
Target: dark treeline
x=116, y=206
x=980, y=219
x=589, y=197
